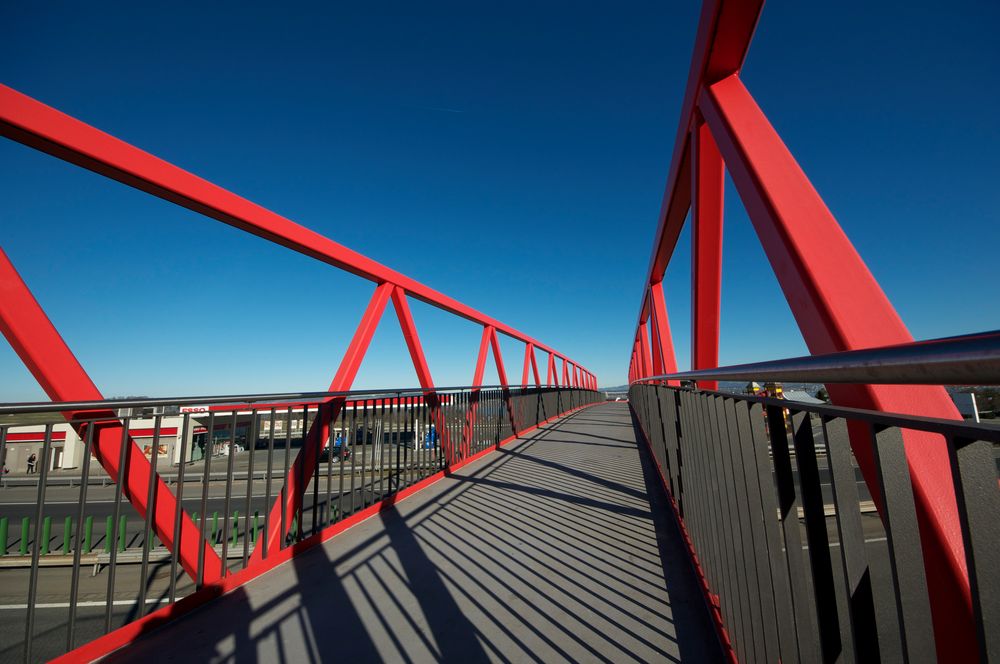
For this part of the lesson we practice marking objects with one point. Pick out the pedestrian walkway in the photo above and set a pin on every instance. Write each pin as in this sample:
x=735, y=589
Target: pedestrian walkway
x=559, y=547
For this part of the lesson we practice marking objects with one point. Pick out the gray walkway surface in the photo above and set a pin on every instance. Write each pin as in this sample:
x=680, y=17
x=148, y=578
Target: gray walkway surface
x=557, y=548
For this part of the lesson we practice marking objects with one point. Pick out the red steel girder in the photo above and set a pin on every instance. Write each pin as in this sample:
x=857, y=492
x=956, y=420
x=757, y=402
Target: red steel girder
x=708, y=175
x=839, y=306
x=305, y=462
x=529, y=362
x=725, y=30
x=44, y=352
x=44, y=128
x=645, y=363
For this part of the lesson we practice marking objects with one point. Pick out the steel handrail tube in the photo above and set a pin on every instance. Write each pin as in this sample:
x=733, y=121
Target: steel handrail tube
x=972, y=359
x=231, y=399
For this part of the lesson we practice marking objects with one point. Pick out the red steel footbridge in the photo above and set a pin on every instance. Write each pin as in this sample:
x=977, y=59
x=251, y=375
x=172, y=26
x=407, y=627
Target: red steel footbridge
x=539, y=519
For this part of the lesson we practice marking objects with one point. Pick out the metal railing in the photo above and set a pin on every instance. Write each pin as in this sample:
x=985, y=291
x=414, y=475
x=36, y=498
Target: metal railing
x=835, y=300
x=78, y=561
x=807, y=554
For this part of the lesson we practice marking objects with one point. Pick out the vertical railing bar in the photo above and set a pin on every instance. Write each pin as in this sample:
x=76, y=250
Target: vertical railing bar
x=973, y=468
x=409, y=464
x=298, y=507
x=709, y=510
x=763, y=513
x=88, y=443
x=36, y=549
x=342, y=459
x=820, y=562
x=857, y=577
x=748, y=535
x=227, y=502
x=147, y=525
x=786, y=616
x=318, y=427
x=397, y=419
x=113, y=533
x=379, y=444
x=284, y=487
x=252, y=436
x=737, y=575
x=353, y=434
x=205, y=481
x=364, y=454
x=906, y=561
x=179, y=512
x=267, y=483
x=331, y=429
x=723, y=583
x=803, y=602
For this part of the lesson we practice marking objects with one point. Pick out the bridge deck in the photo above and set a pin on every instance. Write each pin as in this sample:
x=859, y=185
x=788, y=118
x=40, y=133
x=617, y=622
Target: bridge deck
x=559, y=547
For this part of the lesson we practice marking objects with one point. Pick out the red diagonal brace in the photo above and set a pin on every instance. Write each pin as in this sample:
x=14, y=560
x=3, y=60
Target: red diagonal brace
x=45, y=354
x=708, y=176
x=662, y=340
x=647, y=364
x=838, y=306
x=477, y=380
x=423, y=371
x=529, y=362
x=305, y=462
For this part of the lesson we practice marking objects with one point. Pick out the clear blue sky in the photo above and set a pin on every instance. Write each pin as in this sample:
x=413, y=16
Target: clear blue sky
x=510, y=155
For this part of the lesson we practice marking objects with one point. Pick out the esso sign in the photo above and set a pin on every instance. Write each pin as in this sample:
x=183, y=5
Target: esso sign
x=194, y=409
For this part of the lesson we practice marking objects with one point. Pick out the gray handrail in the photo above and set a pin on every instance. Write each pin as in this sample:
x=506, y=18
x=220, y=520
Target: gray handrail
x=239, y=399
x=972, y=359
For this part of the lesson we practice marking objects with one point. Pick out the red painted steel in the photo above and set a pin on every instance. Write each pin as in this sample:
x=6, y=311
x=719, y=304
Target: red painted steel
x=662, y=339
x=646, y=363
x=530, y=363
x=423, y=371
x=305, y=462
x=42, y=127
x=725, y=30
x=477, y=380
x=836, y=302
x=838, y=305
x=33, y=337
x=35, y=340
x=708, y=176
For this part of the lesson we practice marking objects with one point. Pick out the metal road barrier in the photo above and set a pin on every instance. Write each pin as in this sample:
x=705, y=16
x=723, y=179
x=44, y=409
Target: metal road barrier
x=81, y=562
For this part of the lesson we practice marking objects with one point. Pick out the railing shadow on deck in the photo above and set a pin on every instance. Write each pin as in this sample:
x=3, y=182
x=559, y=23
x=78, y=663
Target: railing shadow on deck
x=478, y=570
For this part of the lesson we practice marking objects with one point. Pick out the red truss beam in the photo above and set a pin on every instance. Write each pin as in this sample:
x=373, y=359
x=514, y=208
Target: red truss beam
x=32, y=123
x=305, y=462
x=836, y=302
x=529, y=363
x=708, y=176
x=35, y=340
x=477, y=380
x=838, y=305
x=662, y=340
x=43, y=351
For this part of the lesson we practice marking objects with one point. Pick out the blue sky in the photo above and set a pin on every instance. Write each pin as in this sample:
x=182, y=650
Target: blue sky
x=512, y=156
